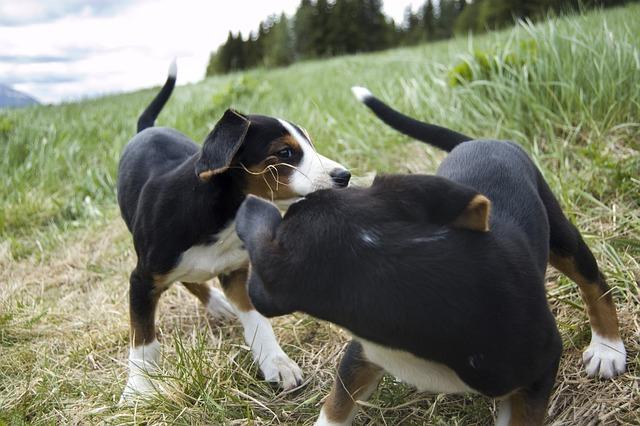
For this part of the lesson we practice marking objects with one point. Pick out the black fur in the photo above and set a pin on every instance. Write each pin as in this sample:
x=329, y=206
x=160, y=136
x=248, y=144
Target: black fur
x=440, y=137
x=148, y=117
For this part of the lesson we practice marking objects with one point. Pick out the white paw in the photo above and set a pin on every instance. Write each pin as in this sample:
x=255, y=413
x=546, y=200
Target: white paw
x=138, y=388
x=143, y=360
x=604, y=358
x=323, y=420
x=219, y=307
x=279, y=368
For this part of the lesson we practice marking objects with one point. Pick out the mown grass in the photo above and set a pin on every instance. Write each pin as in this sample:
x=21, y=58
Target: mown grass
x=572, y=100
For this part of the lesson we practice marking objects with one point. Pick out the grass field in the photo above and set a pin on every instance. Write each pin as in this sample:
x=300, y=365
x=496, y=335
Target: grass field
x=567, y=90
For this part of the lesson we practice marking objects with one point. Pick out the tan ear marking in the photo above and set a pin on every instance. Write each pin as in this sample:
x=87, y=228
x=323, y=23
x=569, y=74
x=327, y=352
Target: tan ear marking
x=476, y=215
x=206, y=175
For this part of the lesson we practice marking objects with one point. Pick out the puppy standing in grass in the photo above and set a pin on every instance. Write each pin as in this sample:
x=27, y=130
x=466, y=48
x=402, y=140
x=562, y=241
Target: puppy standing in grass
x=179, y=201
x=440, y=279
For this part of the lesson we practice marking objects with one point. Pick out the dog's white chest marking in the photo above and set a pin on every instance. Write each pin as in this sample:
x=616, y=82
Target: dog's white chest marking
x=203, y=262
x=426, y=376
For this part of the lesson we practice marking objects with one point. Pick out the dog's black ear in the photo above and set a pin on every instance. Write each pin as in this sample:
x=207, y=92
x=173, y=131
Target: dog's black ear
x=456, y=204
x=263, y=300
x=475, y=215
x=222, y=144
x=438, y=199
x=256, y=223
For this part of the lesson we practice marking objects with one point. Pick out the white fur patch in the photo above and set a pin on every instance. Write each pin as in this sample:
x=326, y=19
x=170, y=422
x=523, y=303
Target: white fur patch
x=218, y=306
x=143, y=360
x=275, y=365
x=173, y=69
x=201, y=263
x=504, y=413
x=604, y=357
x=425, y=375
x=369, y=238
x=438, y=235
x=361, y=93
x=323, y=420
x=314, y=170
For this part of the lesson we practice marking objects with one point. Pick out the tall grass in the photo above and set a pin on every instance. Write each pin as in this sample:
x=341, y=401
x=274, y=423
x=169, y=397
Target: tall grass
x=567, y=90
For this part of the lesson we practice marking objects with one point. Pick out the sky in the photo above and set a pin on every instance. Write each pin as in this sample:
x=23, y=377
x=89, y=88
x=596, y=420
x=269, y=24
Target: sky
x=62, y=50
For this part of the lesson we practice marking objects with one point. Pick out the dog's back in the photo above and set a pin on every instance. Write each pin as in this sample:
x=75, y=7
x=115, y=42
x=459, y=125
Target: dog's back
x=155, y=150
x=504, y=173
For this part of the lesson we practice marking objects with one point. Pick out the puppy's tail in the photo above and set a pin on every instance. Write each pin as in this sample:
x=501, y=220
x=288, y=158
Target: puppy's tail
x=437, y=136
x=148, y=117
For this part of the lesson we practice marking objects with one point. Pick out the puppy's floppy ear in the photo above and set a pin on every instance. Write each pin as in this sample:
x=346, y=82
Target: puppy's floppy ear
x=256, y=223
x=443, y=201
x=475, y=215
x=222, y=144
x=263, y=300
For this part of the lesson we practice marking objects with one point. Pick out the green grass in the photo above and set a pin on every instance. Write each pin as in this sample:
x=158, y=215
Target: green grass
x=567, y=90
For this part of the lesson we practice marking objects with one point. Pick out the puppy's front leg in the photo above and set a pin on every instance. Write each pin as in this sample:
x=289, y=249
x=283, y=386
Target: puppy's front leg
x=274, y=364
x=144, y=352
x=357, y=379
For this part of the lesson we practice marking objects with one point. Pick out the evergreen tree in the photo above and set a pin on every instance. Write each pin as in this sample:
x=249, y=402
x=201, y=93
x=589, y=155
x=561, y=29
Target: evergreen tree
x=222, y=59
x=412, y=31
x=279, y=44
x=341, y=26
x=237, y=53
x=428, y=20
x=320, y=33
x=446, y=19
x=303, y=27
x=375, y=27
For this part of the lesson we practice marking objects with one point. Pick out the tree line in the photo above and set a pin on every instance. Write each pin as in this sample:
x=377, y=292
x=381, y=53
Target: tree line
x=323, y=28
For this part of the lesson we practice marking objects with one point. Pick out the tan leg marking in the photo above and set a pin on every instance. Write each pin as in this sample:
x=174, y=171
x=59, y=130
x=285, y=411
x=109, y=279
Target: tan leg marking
x=596, y=296
x=199, y=290
x=235, y=288
x=357, y=379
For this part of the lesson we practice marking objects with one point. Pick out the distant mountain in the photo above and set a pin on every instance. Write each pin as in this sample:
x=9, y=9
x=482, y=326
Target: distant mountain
x=10, y=98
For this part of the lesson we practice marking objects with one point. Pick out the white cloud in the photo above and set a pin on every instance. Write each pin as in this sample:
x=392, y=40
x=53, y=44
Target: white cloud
x=129, y=49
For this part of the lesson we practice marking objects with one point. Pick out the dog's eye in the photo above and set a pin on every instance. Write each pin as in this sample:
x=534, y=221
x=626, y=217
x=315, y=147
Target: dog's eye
x=285, y=153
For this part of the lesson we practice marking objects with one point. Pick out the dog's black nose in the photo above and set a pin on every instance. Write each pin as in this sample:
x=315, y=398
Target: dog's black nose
x=340, y=177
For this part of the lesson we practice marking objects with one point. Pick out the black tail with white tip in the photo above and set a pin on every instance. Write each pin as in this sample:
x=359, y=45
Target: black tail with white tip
x=148, y=117
x=437, y=136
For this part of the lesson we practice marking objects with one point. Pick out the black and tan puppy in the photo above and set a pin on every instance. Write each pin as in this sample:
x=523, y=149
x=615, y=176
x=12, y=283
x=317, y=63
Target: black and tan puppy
x=440, y=279
x=179, y=200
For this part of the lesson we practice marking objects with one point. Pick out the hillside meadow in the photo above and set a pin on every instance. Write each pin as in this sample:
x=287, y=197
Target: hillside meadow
x=567, y=90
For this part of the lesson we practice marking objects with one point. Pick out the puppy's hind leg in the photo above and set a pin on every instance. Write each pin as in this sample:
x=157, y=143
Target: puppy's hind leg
x=274, y=364
x=357, y=379
x=213, y=299
x=606, y=356
x=144, y=351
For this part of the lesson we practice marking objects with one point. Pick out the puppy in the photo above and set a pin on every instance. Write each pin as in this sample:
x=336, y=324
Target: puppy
x=440, y=279
x=179, y=201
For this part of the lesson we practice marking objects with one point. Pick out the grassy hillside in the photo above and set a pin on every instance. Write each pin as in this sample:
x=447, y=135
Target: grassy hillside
x=567, y=90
